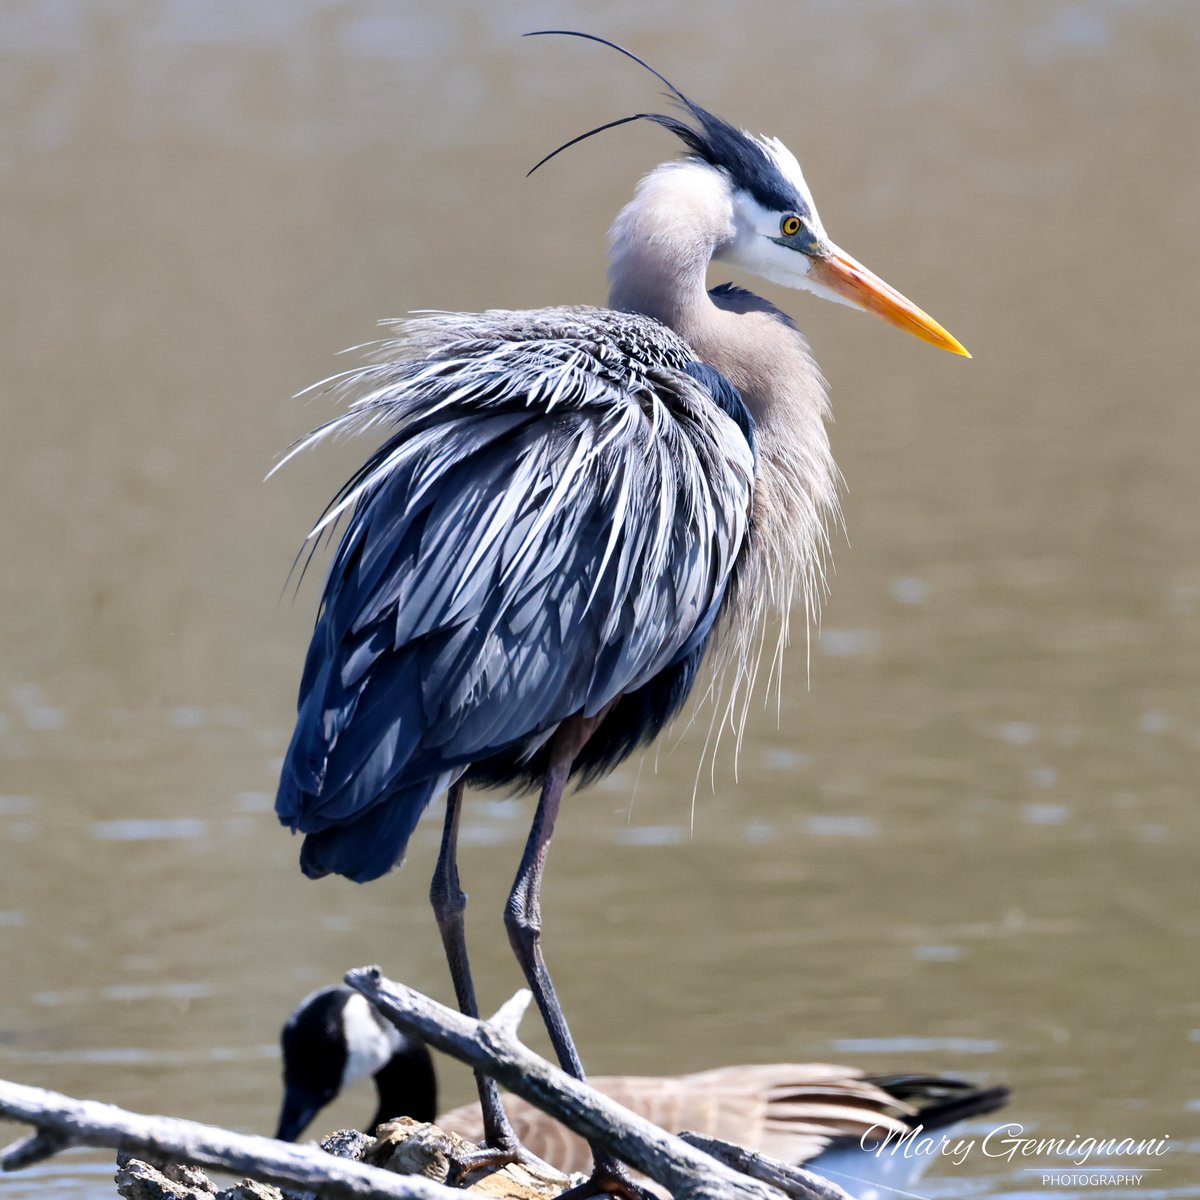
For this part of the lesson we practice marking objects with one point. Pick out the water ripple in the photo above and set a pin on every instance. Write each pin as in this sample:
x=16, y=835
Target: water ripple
x=145, y=829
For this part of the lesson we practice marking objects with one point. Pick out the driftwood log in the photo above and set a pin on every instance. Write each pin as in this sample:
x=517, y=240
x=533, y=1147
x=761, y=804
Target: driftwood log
x=404, y=1146
x=61, y=1121
x=172, y=1146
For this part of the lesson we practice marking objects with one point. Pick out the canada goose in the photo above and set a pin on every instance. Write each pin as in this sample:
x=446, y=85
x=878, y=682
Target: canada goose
x=814, y=1114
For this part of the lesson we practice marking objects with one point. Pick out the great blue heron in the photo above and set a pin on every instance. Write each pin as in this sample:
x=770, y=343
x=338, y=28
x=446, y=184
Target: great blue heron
x=572, y=505
x=829, y=1117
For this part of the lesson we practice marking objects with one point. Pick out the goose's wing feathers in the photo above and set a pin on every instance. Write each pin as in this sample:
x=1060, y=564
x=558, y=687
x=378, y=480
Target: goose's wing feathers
x=552, y=523
x=789, y=1111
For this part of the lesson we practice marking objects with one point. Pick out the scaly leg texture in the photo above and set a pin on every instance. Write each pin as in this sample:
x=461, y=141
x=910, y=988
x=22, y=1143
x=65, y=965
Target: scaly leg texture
x=449, y=906
x=523, y=918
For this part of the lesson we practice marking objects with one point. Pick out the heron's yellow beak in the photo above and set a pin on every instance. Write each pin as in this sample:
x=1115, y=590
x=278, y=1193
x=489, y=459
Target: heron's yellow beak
x=853, y=282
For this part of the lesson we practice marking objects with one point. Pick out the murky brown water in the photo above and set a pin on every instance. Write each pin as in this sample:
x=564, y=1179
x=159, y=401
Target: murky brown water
x=968, y=844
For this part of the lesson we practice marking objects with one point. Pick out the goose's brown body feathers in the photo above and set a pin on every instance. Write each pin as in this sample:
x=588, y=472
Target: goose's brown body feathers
x=789, y=1111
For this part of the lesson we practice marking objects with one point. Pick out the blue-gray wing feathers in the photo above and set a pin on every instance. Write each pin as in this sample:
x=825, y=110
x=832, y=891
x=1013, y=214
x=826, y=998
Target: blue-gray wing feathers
x=551, y=527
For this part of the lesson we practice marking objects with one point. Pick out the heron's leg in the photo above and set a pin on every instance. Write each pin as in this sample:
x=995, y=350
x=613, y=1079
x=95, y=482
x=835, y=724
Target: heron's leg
x=523, y=919
x=523, y=913
x=449, y=905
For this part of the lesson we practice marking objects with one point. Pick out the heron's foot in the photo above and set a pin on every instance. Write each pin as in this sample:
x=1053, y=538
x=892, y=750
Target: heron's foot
x=609, y=1178
x=506, y=1152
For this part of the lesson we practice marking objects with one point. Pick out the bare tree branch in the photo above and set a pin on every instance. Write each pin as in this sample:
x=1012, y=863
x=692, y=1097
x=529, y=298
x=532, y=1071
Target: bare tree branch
x=493, y=1047
x=792, y=1181
x=61, y=1122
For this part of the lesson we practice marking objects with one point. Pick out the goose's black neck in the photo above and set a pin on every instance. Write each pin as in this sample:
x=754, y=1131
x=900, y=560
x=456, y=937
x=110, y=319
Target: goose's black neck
x=407, y=1085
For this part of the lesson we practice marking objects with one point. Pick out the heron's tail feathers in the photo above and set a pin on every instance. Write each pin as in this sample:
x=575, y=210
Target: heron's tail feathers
x=372, y=843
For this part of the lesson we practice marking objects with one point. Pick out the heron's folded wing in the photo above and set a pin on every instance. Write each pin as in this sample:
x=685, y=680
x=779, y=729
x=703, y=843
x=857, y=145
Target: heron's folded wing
x=508, y=564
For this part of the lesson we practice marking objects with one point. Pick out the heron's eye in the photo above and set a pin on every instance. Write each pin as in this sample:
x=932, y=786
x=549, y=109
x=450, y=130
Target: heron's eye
x=790, y=225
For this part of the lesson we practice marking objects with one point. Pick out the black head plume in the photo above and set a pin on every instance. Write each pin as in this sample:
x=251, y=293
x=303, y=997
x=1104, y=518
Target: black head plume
x=716, y=142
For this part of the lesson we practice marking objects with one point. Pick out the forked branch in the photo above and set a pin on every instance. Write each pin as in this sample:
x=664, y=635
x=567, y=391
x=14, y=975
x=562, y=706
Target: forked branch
x=493, y=1047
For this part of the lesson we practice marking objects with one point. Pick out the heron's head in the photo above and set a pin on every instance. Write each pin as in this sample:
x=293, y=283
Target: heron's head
x=776, y=231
